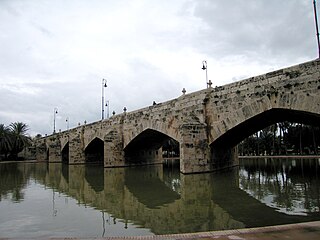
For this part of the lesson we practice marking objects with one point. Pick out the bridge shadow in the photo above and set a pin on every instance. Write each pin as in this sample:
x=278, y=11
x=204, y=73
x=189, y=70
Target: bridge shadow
x=146, y=185
x=94, y=175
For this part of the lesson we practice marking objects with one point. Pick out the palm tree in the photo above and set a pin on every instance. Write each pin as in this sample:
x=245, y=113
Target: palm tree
x=266, y=137
x=19, y=137
x=5, y=140
x=274, y=129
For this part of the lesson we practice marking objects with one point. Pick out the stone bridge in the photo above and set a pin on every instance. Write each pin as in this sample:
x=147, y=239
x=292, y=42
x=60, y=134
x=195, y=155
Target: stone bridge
x=206, y=125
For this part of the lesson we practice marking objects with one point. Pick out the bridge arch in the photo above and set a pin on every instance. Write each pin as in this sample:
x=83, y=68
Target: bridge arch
x=94, y=151
x=146, y=147
x=256, y=113
x=88, y=139
x=168, y=126
x=262, y=120
x=65, y=153
x=64, y=140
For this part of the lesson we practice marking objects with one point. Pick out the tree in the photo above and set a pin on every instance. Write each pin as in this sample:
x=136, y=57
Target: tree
x=283, y=138
x=266, y=138
x=19, y=137
x=5, y=140
x=283, y=126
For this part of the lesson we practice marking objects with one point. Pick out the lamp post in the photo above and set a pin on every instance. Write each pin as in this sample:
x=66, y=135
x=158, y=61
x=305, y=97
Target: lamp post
x=55, y=111
x=317, y=26
x=104, y=85
x=205, y=67
x=107, y=105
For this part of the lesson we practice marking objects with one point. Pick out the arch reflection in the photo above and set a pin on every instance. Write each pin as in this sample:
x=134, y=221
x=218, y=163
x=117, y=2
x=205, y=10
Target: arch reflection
x=165, y=201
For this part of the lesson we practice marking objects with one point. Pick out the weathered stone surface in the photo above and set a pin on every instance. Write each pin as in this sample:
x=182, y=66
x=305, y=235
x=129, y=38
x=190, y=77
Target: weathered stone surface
x=208, y=124
x=54, y=149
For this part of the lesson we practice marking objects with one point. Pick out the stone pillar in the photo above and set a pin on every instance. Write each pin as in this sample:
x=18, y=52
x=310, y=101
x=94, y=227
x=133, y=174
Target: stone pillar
x=54, y=149
x=194, y=149
x=76, y=150
x=41, y=151
x=113, y=150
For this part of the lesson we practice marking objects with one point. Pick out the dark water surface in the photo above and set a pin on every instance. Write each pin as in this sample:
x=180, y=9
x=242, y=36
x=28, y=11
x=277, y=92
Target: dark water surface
x=55, y=200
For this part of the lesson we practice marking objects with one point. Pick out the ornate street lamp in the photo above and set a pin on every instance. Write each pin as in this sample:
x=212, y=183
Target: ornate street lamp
x=205, y=67
x=317, y=26
x=55, y=111
x=104, y=85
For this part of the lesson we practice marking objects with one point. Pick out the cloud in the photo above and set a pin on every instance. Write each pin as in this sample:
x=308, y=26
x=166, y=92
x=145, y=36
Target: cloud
x=270, y=29
x=55, y=53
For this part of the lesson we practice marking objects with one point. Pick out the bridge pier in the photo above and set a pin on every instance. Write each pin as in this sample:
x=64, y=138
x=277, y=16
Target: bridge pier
x=41, y=151
x=113, y=150
x=76, y=151
x=194, y=149
x=54, y=149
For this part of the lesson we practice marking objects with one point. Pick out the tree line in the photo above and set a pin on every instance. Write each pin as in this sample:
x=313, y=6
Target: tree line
x=284, y=138
x=13, y=139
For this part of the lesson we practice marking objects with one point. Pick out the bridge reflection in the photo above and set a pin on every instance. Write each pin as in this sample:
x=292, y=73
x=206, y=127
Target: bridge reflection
x=166, y=201
x=148, y=188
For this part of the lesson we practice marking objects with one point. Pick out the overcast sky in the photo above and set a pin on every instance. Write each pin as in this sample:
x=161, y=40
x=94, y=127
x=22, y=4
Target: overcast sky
x=56, y=53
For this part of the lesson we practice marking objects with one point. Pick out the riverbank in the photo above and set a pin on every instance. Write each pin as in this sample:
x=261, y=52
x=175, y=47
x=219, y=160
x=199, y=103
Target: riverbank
x=308, y=230
x=22, y=161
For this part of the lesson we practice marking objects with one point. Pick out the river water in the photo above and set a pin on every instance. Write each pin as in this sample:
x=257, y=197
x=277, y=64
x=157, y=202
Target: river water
x=56, y=200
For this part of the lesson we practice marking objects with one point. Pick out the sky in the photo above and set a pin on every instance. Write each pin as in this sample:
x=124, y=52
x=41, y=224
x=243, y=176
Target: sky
x=54, y=54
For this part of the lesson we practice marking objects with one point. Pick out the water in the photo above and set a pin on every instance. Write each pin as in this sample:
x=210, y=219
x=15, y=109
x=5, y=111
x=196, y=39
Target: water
x=55, y=200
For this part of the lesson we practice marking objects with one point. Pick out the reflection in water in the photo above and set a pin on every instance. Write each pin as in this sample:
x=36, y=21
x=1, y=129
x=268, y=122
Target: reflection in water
x=147, y=186
x=171, y=177
x=94, y=176
x=290, y=186
x=90, y=201
x=12, y=182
